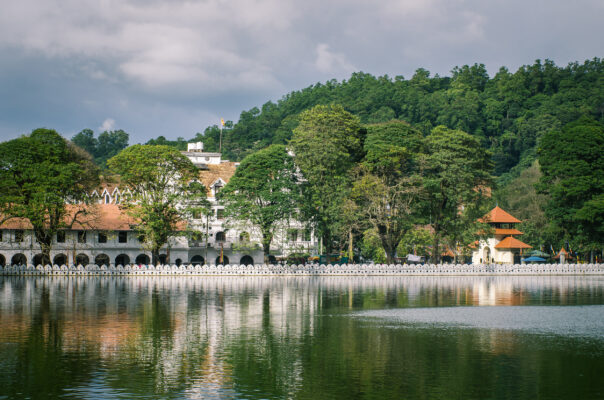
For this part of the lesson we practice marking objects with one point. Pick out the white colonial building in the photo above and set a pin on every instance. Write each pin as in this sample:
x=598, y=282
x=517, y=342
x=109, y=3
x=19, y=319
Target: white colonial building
x=106, y=235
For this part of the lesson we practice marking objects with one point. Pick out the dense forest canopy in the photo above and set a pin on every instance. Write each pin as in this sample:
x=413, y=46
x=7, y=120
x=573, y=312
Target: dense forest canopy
x=508, y=112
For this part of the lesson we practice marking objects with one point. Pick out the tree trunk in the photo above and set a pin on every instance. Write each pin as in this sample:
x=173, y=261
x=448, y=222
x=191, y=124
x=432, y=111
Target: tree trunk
x=327, y=243
x=390, y=251
x=154, y=256
x=267, y=238
x=591, y=256
x=435, y=249
x=350, y=248
x=387, y=244
x=45, y=241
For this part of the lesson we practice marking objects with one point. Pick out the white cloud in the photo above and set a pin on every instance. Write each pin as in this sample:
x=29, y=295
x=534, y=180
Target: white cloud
x=107, y=125
x=331, y=62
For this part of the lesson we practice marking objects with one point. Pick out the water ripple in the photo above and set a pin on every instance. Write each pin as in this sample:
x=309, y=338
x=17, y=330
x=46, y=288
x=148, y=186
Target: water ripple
x=576, y=321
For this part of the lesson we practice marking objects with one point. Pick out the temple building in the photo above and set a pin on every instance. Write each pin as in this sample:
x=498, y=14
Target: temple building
x=502, y=247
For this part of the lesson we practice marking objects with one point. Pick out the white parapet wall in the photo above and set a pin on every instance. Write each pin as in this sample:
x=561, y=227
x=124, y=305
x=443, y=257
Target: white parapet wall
x=309, y=269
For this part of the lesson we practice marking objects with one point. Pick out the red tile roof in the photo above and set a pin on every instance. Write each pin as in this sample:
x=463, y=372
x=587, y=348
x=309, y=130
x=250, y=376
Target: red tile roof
x=223, y=170
x=497, y=215
x=507, y=232
x=512, y=243
x=103, y=217
x=93, y=217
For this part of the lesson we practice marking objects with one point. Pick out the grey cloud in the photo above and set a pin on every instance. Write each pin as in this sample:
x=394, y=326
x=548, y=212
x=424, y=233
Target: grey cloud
x=73, y=64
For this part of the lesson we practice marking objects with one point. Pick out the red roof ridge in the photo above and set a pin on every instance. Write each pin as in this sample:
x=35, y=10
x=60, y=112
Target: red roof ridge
x=499, y=216
x=511, y=242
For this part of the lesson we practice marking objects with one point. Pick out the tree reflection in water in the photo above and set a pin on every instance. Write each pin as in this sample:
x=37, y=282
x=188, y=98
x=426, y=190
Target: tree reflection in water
x=284, y=337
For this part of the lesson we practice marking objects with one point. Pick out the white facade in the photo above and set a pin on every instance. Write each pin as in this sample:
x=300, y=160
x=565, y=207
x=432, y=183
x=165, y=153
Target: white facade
x=118, y=243
x=487, y=253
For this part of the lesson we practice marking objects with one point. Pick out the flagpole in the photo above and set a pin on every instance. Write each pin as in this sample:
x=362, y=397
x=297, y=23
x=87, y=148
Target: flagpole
x=220, y=140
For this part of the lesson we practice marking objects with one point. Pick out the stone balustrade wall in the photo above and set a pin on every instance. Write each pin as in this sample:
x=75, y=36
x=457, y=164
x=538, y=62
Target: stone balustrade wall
x=310, y=269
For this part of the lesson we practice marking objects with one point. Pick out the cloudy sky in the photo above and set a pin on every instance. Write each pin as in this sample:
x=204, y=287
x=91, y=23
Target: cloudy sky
x=172, y=67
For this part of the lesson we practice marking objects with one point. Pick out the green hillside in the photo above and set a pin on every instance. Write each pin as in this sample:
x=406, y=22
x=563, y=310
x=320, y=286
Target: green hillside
x=507, y=112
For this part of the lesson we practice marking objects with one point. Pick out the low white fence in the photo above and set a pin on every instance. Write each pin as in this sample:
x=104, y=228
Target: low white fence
x=310, y=269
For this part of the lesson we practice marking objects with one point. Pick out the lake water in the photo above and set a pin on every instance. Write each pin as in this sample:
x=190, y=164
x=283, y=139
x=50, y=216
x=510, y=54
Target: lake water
x=302, y=337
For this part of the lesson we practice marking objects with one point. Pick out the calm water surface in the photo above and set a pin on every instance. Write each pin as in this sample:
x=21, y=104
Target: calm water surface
x=302, y=338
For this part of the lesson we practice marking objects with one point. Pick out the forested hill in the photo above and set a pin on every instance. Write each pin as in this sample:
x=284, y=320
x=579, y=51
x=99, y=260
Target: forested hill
x=508, y=112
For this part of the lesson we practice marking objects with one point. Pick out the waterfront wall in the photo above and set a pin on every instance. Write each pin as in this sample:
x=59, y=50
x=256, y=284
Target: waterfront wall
x=314, y=269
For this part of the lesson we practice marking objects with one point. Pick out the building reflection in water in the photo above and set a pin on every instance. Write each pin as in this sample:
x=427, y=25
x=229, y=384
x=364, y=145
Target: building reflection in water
x=200, y=336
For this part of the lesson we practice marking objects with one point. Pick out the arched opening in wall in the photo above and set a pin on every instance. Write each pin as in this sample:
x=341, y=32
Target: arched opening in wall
x=197, y=260
x=225, y=260
x=178, y=262
x=2, y=260
x=163, y=259
x=82, y=259
x=246, y=260
x=102, y=259
x=60, y=259
x=272, y=259
x=142, y=259
x=486, y=255
x=18, y=259
x=244, y=237
x=41, y=259
x=220, y=236
x=122, y=259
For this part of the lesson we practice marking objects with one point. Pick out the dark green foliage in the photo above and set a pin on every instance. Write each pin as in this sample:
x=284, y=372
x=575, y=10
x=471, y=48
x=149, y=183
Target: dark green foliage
x=104, y=147
x=179, y=144
x=455, y=176
x=387, y=187
x=520, y=198
x=507, y=113
x=263, y=192
x=164, y=191
x=327, y=143
x=39, y=175
x=572, y=163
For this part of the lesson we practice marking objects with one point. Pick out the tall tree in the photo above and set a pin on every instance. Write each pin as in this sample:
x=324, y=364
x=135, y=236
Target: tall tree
x=108, y=144
x=388, y=183
x=326, y=144
x=165, y=191
x=456, y=176
x=40, y=174
x=573, y=172
x=263, y=191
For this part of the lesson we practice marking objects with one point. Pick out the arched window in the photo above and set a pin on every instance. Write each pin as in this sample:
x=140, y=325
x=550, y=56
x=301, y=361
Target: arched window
x=101, y=259
x=41, y=259
x=220, y=236
x=163, y=259
x=246, y=260
x=178, y=262
x=225, y=260
x=2, y=260
x=122, y=259
x=197, y=260
x=60, y=259
x=19, y=259
x=142, y=259
x=82, y=259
